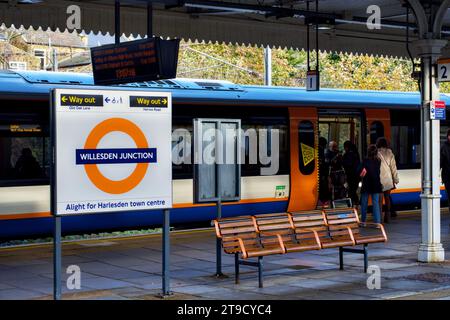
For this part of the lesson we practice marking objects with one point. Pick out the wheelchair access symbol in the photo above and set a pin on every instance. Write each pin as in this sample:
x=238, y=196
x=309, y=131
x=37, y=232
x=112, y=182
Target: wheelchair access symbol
x=90, y=156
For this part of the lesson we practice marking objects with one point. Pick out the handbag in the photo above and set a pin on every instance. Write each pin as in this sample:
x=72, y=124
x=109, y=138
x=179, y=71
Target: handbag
x=387, y=164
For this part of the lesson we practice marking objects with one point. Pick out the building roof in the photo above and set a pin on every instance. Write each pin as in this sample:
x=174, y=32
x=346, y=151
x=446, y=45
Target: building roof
x=78, y=59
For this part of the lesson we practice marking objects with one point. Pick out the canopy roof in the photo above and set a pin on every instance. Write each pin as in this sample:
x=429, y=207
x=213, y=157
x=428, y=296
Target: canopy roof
x=278, y=23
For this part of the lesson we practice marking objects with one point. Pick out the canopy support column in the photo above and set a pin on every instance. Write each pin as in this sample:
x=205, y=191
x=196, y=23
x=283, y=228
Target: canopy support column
x=430, y=248
x=429, y=46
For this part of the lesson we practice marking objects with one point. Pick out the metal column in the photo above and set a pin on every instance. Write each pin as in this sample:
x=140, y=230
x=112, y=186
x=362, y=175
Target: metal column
x=57, y=259
x=219, y=243
x=430, y=249
x=149, y=20
x=428, y=47
x=55, y=60
x=117, y=21
x=267, y=66
x=219, y=154
x=166, y=254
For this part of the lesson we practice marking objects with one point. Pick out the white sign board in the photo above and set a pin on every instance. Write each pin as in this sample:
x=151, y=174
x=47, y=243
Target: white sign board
x=112, y=151
x=443, y=70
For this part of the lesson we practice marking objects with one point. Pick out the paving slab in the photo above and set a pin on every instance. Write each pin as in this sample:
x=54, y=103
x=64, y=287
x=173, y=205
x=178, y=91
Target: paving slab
x=130, y=268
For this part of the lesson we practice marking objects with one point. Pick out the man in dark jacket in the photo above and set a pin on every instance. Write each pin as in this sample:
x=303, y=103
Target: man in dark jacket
x=445, y=165
x=333, y=159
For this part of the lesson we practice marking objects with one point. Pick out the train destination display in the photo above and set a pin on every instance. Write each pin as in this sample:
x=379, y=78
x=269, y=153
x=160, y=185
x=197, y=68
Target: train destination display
x=112, y=151
x=135, y=61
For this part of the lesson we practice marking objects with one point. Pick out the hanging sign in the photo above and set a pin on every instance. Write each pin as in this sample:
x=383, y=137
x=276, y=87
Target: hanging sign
x=112, y=151
x=437, y=110
x=135, y=61
x=312, y=80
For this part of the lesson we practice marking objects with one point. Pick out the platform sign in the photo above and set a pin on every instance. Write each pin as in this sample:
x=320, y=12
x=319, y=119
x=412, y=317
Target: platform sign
x=443, y=70
x=437, y=110
x=112, y=151
x=135, y=61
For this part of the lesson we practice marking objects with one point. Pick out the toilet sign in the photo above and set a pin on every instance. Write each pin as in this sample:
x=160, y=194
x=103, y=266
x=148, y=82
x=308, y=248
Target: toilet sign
x=112, y=151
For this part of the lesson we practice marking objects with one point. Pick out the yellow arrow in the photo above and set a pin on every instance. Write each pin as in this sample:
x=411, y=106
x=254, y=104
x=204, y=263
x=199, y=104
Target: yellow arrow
x=164, y=101
x=64, y=99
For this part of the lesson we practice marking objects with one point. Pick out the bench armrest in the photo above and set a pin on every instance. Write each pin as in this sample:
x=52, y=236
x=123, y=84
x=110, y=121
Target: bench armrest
x=375, y=225
x=281, y=242
x=217, y=228
x=350, y=233
x=242, y=246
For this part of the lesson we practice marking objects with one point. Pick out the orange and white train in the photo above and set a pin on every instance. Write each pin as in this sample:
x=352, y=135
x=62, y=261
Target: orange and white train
x=299, y=118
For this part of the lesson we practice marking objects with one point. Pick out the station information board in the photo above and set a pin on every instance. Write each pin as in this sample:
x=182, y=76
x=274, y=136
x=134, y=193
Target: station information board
x=112, y=151
x=135, y=61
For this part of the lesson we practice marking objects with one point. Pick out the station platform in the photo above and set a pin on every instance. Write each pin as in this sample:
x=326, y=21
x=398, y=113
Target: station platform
x=130, y=268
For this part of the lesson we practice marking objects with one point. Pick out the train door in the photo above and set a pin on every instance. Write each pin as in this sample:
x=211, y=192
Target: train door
x=341, y=126
x=338, y=126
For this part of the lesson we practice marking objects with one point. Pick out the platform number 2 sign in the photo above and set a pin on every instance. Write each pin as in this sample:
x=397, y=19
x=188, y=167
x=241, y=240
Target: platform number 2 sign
x=444, y=70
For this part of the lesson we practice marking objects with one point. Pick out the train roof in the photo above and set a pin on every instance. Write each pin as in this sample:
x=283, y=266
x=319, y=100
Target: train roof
x=36, y=85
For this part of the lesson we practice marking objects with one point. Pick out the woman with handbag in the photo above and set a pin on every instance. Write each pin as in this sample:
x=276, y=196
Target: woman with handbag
x=371, y=185
x=388, y=176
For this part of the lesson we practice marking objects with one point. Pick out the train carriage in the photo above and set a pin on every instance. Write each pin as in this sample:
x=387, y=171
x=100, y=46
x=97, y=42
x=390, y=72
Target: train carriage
x=291, y=117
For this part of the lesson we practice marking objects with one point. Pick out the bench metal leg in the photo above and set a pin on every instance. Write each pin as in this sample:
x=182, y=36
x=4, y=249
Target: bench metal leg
x=257, y=264
x=236, y=268
x=260, y=274
x=363, y=251
x=341, y=258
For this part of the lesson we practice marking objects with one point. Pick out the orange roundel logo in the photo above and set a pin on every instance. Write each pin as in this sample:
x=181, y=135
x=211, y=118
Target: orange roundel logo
x=92, y=141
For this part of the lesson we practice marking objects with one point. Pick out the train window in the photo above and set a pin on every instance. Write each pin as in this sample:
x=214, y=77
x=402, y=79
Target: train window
x=306, y=140
x=265, y=147
x=376, y=131
x=25, y=152
x=182, y=145
x=405, y=138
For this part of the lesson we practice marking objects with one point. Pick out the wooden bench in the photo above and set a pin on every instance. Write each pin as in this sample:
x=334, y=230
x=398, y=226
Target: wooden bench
x=316, y=221
x=280, y=233
x=240, y=236
x=341, y=221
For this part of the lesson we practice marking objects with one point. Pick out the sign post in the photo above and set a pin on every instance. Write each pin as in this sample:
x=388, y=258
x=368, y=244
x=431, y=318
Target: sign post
x=57, y=258
x=217, y=171
x=112, y=153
